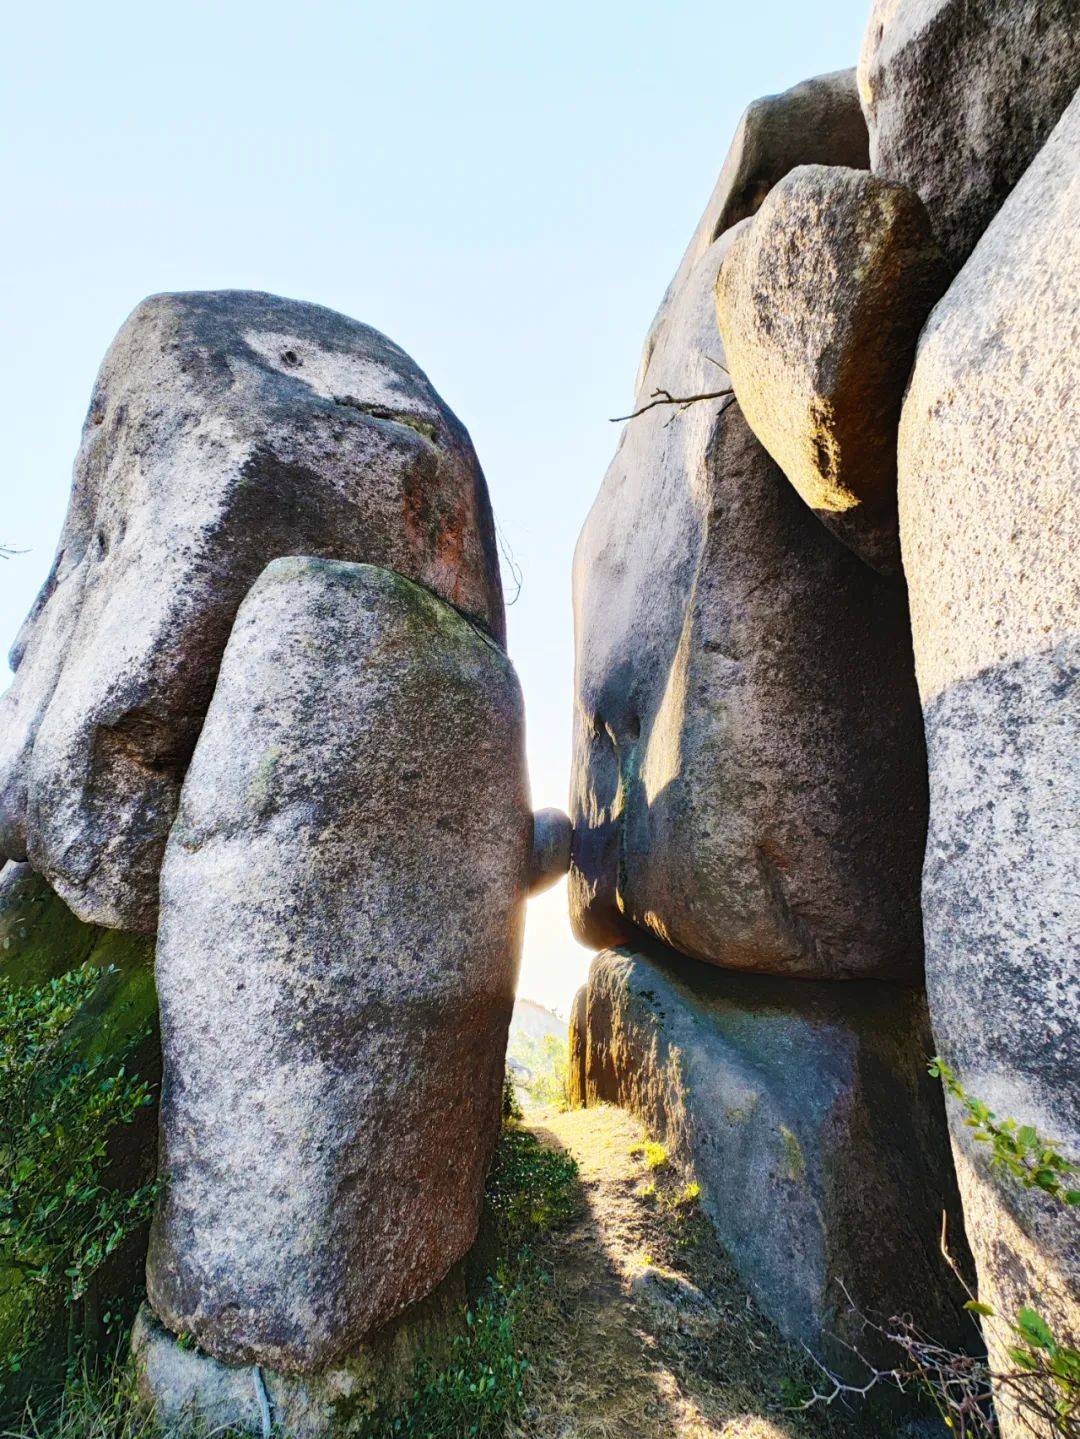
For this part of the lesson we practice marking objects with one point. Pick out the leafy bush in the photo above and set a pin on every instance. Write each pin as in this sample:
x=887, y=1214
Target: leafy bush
x=546, y=1061
x=511, y=1106
x=60, y=1219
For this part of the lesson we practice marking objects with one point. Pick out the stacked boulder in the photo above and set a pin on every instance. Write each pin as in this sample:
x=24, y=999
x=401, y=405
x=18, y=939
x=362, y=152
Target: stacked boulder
x=263, y=706
x=224, y=430
x=903, y=343
x=749, y=790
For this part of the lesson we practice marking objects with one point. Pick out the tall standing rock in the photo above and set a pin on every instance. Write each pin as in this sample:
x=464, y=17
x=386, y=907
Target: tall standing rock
x=341, y=915
x=990, y=525
x=820, y=302
x=960, y=94
x=748, y=778
x=225, y=430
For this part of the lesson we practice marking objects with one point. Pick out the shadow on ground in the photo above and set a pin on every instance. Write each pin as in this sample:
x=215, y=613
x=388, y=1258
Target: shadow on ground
x=643, y=1328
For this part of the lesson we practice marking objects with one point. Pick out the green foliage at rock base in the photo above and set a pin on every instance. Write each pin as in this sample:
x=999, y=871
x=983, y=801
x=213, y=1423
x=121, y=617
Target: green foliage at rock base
x=61, y=1103
x=479, y=1386
x=79, y=1068
x=1044, y=1387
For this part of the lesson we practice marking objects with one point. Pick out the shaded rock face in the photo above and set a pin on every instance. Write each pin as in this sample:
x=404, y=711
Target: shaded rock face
x=748, y=779
x=805, y=1113
x=818, y=122
x=225, y=429
x=191, y=1393
x=341, y=918
x=820, y=301
x=959, y=95
x=577, y=1080
x=550, y=849
x=990, y=524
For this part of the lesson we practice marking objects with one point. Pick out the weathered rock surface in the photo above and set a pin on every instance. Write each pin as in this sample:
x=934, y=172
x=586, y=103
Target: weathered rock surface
x=820, y=301
x=40, y=940
x=749, y=776
x=817, y=122
x=225, y=429
x=550, y=849
x=342, y=901
x=990, y=524
x=960, y=94
x=577, y=1079
x=189, y=1392
x=805, y=1113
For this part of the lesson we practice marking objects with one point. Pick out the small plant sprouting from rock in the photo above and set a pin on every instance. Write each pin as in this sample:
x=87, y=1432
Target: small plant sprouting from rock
x=1043, y=1383
x=1018, y=1149
x=654, y=1155
x=60, y=1220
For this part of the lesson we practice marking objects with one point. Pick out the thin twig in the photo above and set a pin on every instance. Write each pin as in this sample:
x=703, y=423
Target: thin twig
x=512, y=564
x=665, y=397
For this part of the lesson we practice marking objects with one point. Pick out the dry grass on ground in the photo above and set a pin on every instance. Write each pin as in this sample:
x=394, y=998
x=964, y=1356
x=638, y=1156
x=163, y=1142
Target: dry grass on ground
x=643, y=1330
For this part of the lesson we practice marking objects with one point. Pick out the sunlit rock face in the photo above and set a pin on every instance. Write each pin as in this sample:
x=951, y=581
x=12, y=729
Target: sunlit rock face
x=749, y=774
x=805, y=1112
x=342, y=903
x=990, y=523
x=820, y=302
x=225, y=429
x=817, y=122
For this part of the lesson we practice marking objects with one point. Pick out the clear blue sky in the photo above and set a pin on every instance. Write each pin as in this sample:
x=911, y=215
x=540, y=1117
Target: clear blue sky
x=504, y=190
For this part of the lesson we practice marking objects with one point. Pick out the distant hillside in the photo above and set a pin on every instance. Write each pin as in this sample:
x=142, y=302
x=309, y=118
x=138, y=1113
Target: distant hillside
x=533, y=1020
x=536, y=1052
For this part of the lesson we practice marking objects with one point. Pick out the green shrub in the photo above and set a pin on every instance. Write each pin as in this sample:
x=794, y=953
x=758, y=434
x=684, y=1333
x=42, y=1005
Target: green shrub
x=478, y=1388
x=511, y=1106
x=1018, y=1149
x=60, y=1106
x=1043, y=1382
x=547, y=1061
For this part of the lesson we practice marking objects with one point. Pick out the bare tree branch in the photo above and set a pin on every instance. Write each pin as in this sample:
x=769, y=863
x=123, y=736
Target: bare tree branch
x=511, y=563
x=665, y=397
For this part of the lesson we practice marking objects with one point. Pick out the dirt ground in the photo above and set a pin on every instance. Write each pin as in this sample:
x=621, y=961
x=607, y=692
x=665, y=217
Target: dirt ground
x=643, y=1329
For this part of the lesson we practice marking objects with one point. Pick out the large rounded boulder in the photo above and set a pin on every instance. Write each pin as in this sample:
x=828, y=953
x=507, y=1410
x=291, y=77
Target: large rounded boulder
x=225, y=429
x=342, y=904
